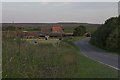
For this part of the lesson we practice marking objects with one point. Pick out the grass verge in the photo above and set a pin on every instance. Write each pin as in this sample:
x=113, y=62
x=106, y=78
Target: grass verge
x=49, y=60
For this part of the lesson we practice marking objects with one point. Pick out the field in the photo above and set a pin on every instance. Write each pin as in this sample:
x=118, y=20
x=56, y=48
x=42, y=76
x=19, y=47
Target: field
x=43, y=41
x=49, y=59
x=68, y=27
x=71, y=29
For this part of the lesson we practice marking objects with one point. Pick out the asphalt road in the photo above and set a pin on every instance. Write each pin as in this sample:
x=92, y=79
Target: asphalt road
x=102, y=56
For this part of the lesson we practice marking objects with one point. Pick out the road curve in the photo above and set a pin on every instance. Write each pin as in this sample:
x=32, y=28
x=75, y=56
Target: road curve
x=88, y=50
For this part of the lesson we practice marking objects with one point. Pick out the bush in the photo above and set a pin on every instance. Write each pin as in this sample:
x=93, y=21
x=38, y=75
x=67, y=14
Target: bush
x=107, y=36
x=79, y=31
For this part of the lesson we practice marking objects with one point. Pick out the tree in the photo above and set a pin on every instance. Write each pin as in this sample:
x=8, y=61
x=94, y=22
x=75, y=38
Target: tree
x=108, y=35
x=112, y=41
x=79, y=31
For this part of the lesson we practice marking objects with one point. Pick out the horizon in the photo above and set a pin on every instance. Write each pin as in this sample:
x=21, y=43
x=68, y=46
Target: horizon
x=50, y=23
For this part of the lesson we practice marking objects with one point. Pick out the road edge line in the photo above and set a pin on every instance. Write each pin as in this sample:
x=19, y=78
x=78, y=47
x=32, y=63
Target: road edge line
x=101, y=62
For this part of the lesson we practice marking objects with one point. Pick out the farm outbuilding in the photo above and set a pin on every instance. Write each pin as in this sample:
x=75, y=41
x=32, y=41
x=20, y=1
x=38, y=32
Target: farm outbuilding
x=45, y=30
x=87, y=34
x=30, y=34
x=57, y=29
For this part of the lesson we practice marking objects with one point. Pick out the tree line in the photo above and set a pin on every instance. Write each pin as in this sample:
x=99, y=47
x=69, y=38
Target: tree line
x=108, y=35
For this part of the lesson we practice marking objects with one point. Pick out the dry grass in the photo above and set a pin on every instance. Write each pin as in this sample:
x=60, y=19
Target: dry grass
x=48, y=60
x=40, y=60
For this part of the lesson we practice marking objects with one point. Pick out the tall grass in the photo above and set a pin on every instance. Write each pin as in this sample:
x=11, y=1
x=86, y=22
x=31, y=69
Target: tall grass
x=22, y=59
x=38, y=60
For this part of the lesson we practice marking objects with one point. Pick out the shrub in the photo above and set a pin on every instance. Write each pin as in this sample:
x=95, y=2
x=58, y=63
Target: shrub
x=79, y=31
x=107, y=36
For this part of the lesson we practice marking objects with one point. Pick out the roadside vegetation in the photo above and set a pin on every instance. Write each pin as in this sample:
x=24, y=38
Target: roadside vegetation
x=79, y=31
x=108, y=35
x=52, y=58
x=59, y=59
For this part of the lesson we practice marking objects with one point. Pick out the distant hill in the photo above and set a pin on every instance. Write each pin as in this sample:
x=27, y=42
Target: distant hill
x=49, y=24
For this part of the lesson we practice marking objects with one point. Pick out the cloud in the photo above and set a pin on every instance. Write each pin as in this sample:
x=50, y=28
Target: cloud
x=58, y=11
x=44, y=3
x=60, y=0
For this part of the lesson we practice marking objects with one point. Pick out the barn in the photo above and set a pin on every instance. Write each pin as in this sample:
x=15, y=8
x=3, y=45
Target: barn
x=30, y=34
x=57, y=29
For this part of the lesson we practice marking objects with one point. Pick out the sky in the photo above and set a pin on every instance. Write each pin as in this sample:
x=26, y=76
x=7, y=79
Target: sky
x=119, y=8
x=59, y=0
x=0, y=13
x=52, y=12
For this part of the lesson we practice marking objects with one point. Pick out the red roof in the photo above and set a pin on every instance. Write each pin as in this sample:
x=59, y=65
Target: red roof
x=56, y=28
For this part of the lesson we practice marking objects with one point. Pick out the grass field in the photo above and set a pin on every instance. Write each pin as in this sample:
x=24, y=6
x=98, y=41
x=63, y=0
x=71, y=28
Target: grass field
x=40, y=41
x=49, y=59
x=69, y=29
x=88, y=29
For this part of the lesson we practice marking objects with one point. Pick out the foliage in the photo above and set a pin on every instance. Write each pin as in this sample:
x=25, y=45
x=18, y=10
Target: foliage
x=33, y=29
x=79, y=31
x=13, y=28
x=46, y=60
x=10, y=28
x=107, y=36
x=112, y=40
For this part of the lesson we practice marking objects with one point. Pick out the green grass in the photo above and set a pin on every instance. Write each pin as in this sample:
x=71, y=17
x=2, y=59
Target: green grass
x=91, y=29
x=72, y=39
x=40, y=60
x=93, y=69
x=40, y=41
x=69, y=30
x=43, y=60
x=88, y=29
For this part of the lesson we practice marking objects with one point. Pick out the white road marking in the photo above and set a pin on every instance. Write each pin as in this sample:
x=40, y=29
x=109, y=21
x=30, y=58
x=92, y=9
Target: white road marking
x=102, y=62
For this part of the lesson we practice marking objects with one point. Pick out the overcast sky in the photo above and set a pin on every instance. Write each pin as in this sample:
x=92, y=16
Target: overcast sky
x=119, y=8
x=39, y=12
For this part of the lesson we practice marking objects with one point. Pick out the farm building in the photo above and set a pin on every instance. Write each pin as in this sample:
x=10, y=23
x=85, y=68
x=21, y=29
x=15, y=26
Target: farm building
x=54, y=31
x=30, y=34
x=22, y=34
x=9, y=33
x=57, y=29
x=68, y=34
x=45, y=30
x=87, y=34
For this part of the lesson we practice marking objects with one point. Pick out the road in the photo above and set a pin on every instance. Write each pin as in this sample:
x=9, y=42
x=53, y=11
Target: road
x=90, y=51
